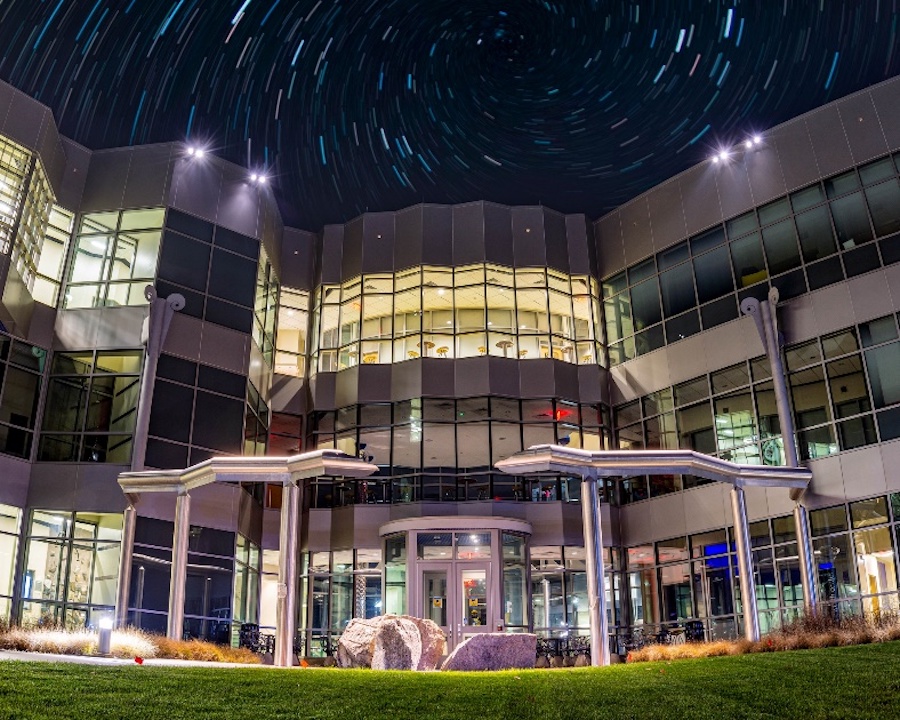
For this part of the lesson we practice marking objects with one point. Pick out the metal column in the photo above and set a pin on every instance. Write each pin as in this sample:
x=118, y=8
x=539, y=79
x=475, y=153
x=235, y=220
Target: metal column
x=593, y=550
x=125, y=553
x=180, y=537
x=745, y=563
x=286, y=609
x=766, y=319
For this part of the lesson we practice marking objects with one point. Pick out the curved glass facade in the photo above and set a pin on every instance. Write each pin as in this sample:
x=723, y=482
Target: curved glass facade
x=445, y=312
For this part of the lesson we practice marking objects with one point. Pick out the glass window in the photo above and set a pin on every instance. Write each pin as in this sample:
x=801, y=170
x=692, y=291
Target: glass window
x=878, y=331
x=842, y=184
x=749, y=266
x=677, y=290
x=713, y=274
x=884, y=204
x=742, y=224
x=882, y=363
x=645, y=304
x=780, y=242
x=847, y=382
x=810, y=397
x=691, y=391
x=851, y=221
x=807, y=198
x=816, y=235
x=774, y=211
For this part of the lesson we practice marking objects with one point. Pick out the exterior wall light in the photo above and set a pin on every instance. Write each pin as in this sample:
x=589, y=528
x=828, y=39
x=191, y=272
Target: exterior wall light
x=196, y=152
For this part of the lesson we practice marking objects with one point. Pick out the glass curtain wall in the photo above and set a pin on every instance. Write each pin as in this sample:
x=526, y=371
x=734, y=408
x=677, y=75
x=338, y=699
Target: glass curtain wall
x=115, y=257
x=290, y=337
x=812, y=238
x=52, y=261
x=91, y=406
x=245, y=605
x=15, y=162
x=30, y=234
x=10, y=519
x=843, y=391
x=340, y=585
x=21, y=368
x=469, y=311
x=71, y=568
x=439, y=449
x=265, y=308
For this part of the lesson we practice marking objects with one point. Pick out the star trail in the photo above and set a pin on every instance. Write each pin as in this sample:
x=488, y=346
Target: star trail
x=349, y=105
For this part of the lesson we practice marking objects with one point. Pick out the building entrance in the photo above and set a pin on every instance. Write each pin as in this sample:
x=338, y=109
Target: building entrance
x=457, y=596
x=467, y=574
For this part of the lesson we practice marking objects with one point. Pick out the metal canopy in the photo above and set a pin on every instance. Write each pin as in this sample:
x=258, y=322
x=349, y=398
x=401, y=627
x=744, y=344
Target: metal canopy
x=283, y=470
x=625, y=463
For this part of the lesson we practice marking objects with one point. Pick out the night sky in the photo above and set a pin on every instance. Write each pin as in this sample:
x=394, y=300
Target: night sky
x=379, y=104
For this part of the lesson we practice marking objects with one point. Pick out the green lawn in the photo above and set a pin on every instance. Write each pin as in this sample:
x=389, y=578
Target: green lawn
x=853, y=682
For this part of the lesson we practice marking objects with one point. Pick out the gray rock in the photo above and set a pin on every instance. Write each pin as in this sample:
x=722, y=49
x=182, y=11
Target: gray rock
x=493, y=651
x=357, y=643
x=398, y=645
x=434, y=642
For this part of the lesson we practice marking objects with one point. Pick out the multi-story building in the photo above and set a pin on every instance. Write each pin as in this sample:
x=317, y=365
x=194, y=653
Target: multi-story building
x=434, y=342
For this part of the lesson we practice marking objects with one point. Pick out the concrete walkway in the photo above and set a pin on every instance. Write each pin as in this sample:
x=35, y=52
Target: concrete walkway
x=16, y=655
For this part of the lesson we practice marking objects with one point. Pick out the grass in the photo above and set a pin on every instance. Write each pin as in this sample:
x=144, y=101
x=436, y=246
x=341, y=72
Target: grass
x=847, y=682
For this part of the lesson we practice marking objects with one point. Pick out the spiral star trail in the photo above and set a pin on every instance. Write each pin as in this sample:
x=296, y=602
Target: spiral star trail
x=376, y=104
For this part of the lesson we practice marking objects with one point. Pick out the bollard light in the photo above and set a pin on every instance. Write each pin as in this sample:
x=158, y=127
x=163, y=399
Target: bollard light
x=105, y=638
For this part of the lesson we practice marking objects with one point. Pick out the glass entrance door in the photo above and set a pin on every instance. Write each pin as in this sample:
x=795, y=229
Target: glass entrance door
x=456, y=596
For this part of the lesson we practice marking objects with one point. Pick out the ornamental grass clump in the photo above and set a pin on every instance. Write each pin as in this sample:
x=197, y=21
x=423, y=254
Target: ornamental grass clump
x=811, y=631
x=125, y=643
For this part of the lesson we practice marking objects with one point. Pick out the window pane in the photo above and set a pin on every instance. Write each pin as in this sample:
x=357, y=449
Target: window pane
x=677, y=290
x=816, y=235
x=878, y=331
x=848, y=386
x=713, y=273
x=882, y=364
x=749, y=266
x=851, y=221
x=780, y=242
x=884, y=204
x=810, y=397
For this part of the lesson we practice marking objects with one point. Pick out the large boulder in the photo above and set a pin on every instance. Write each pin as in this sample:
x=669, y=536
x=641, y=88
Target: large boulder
x=493, y=651
x=392, y=642
x=357, y=643
x=434, y=642
x=398, y=645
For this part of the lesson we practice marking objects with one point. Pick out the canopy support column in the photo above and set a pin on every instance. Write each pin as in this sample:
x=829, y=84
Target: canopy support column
x=593, y=550
x=745, y=563
x=286, y=608
x=180, y=538
x=126, y=552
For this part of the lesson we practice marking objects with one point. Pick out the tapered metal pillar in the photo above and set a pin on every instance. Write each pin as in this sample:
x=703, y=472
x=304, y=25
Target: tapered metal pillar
x=180, y=538
x=593, y=550
x=125, y=554
x=286, y=607
x=766, y=319
x=745, y=563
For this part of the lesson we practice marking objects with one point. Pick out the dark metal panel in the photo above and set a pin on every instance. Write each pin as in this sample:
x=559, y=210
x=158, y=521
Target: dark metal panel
x=886, y=97
x=472, y=377
x=735, y=196
x=437, y=377
x=795, y=153
x=638, y=242
x=667, y=224
x=498, y=243
x=529, y=245
x=437, y=235
x=378, y=242
x=468, y=233
x=764, y=171
x=332, y=252
x=578, y=239
x=107, y=176
x=374, y=383
x=862, y=126
x=148, y=176
x=78, y=161
x=195, y=187
x=504, y=376
x=700, y=197
x=351, y=260
x=297, y=258
x=408, y=228
x=239, y=204
x=829, y=142
x=346, y=387
x=555, y=240
x=537, y=378
x=610, y=250
x=25, y=120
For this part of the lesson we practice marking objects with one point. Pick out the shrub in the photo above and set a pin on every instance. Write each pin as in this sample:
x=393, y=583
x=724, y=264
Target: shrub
x=809, y=631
